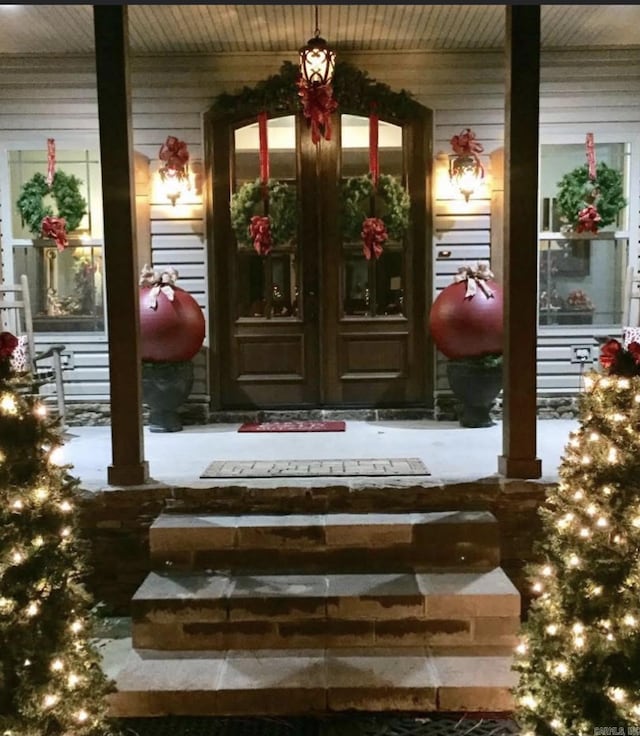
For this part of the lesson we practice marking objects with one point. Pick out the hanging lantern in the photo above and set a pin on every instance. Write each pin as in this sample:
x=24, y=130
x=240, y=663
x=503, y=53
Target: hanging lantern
x=317, y=60
x=465, y=170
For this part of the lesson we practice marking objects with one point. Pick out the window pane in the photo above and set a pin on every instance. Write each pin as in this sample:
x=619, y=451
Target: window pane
x=357, y=293
x=66, y=287
x=581, y=281
x=257, y=277
x=281, y=139
x=355, y=147
x=389, y=294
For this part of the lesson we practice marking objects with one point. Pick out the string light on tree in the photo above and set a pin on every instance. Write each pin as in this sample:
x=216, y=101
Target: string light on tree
x=581, y=668
x=52, y=681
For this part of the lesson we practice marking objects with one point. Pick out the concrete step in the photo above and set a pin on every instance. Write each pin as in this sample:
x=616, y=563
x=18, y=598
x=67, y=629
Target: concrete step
x=190, y=611
x=444, y=540
x=304, y=682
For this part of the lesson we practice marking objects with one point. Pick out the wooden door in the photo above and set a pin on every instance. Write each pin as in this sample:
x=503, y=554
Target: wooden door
x=313, y=324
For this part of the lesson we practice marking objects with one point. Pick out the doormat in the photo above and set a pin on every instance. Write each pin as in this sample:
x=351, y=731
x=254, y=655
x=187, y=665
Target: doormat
x=313, y=468
x=293, y=426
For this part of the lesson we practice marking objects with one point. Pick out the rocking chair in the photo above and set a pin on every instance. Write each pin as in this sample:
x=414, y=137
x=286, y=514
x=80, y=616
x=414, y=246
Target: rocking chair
x=41, y=368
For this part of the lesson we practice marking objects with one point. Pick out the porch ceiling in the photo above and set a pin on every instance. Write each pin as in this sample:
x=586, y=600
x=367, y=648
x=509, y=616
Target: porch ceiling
x=186, y=29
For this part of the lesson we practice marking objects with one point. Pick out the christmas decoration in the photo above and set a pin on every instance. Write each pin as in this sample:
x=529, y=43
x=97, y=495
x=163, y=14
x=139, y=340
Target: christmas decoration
x=466, y=318
x=465, y=168
x=260, y=233
x=278, y=95
x=175, y=172
x=40, y=220
x=318, y=105
x=374, y=233
x=391, y=205
x=172, y=326
x=51, y=682
x=283, y=209
x=587, y=205
x=579, y=653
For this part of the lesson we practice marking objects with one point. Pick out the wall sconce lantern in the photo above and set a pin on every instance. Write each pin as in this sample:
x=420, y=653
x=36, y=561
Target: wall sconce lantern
x=175, y=172
x=465, y=170
x=317, y=60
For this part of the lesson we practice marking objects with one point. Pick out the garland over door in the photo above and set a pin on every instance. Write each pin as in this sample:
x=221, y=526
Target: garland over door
x=315, y=323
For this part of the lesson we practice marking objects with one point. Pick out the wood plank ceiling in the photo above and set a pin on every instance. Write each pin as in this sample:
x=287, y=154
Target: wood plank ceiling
x=196, y=29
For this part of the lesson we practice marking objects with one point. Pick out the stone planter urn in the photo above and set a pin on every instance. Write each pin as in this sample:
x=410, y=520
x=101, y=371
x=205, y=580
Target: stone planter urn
x=476, y=384
x=172, y=331
x=466, y=326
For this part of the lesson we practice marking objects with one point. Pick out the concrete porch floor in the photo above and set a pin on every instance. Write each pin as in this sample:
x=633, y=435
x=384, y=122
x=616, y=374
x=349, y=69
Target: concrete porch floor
x=450, y=452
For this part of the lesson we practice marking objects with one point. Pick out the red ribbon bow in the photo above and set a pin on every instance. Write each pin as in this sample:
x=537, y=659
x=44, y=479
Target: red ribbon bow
x=317, y=106
x=588, y=219
x=175, y=154
x=466, y=144
x=55, y=228
x=8, y=343
x=374, y=233
x=260, y=233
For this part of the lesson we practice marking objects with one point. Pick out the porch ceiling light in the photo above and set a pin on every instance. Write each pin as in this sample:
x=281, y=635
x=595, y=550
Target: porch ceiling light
x=317, y=60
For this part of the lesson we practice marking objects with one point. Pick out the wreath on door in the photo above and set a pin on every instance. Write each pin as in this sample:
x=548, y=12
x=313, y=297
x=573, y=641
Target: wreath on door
x=392, y=205
x=578, y=191
x=65, y=190
x=283, y=211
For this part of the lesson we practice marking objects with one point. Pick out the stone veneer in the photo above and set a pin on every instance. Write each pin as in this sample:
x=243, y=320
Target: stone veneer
x=117, y=521
x=198, y=412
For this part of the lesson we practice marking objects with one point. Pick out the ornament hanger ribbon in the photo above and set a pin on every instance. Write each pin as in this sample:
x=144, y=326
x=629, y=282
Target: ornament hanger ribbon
x=159, y=281
x=476, y=278
x=51, y=160
x=374, y=161
x=591, y=156
x=263, y=147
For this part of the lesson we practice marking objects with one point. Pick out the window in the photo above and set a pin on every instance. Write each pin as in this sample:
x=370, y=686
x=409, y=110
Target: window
x=67, y=286
x=581, y=275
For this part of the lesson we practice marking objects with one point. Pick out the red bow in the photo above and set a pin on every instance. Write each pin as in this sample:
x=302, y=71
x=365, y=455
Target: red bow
x=55, y=228
x=588, y=219
x=374, y=233
x=466, y=144
x=8, y=343
x=176, y=156
x=260, y=233
x=317, y=106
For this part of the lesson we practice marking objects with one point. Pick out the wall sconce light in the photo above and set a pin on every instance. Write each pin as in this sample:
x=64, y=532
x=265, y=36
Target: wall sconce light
x=317, y=60
x=175, y=172
x=465, y=170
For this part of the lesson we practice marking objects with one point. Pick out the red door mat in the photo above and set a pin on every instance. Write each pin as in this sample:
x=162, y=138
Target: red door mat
x=301, y=426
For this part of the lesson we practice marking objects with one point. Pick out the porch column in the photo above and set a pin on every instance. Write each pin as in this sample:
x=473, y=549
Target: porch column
x=114, y=114
x=522, y=103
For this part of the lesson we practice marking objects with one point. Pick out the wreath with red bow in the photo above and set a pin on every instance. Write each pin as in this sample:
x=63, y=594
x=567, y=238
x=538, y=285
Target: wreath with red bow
x=40, y=219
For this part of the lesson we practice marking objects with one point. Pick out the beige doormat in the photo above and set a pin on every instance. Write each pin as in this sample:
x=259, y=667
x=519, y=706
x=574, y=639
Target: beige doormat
x=314, y=468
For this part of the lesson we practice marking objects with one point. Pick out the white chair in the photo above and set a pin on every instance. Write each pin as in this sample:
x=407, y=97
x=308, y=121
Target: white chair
x=41, y=368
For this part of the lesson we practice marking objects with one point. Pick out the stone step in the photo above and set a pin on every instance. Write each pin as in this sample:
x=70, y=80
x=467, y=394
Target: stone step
x=189, y=611
x=441, y=540
x=304, y=682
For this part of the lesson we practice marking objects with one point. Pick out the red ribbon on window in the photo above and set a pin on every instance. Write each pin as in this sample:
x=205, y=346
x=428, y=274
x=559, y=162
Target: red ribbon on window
x=374, y=233
x=591, y=156
x=260, y=233
x=56, y=229
x=263, y=147
x=374, y=162
x=51, y=160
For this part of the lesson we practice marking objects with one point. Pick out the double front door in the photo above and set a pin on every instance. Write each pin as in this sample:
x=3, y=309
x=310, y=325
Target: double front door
x=315, y=323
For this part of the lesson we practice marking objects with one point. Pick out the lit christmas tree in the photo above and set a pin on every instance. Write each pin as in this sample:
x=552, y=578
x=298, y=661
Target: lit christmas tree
x=579, y=653
x=51, y=682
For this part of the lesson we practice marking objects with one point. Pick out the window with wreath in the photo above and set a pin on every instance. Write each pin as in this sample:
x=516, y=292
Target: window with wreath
x=56, y=236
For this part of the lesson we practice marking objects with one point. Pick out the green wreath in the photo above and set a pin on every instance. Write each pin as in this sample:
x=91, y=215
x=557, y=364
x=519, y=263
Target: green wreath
x=577, y=191
x=391, y=205
x=247, y=202
x=64, y=188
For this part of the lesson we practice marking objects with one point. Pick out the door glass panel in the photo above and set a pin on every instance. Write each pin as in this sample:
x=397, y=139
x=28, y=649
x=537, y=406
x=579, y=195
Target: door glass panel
x=266, y=286
x=371, y=287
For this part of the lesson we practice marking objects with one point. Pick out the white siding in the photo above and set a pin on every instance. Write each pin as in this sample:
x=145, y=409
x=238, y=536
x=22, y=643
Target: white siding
x=56, y=97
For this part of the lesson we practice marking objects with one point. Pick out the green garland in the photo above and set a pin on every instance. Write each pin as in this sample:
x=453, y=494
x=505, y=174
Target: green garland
x=70, y=203
x=283, y=209
x=352, y=88
x=391, y=205
x=577, y=191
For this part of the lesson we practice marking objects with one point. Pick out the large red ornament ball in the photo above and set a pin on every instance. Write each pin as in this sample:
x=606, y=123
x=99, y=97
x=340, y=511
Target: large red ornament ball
x=174, y=331
x=467, y=327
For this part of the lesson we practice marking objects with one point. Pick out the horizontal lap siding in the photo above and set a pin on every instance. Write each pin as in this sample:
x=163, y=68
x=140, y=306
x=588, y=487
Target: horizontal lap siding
x=55, y=97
